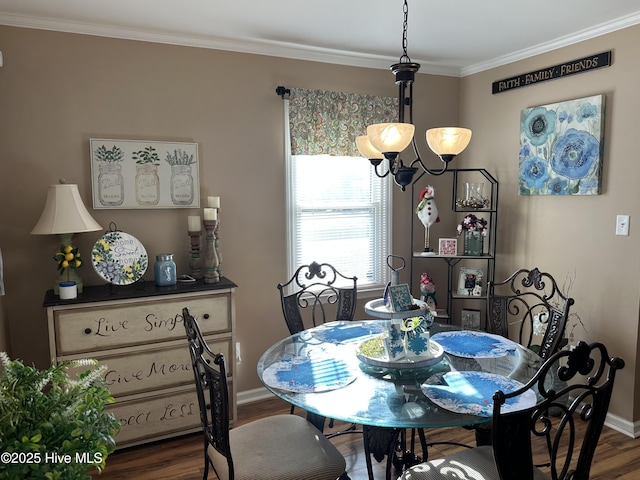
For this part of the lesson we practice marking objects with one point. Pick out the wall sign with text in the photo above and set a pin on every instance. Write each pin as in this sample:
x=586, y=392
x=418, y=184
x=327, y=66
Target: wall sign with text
x=573, y=67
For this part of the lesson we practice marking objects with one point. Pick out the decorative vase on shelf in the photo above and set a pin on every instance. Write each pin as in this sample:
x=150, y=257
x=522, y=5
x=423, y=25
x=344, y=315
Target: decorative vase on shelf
x=474, y=195
x=473, y=243
x=165, y=270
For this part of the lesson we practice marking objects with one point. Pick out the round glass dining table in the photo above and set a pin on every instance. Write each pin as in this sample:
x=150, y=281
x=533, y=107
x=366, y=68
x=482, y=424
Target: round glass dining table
x=319, y=370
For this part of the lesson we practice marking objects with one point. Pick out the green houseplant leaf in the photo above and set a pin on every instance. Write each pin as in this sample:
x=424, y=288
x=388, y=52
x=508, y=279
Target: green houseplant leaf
x=54, y=423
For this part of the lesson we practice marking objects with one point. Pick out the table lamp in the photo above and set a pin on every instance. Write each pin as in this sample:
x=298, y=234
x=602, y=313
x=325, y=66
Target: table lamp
x=64, y=214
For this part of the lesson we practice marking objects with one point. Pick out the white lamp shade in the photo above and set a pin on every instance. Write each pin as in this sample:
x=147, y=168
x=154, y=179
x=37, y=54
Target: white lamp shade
x=366, y=149
x=390, y=137
x=448, y=140
x=64, y=212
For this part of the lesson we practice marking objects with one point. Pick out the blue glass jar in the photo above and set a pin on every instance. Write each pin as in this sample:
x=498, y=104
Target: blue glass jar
x=165, y=270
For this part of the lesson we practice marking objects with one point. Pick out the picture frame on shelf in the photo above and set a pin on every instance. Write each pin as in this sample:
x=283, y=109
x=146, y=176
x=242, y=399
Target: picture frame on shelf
x=447, y=246
x=470, y=282
x=470, y=319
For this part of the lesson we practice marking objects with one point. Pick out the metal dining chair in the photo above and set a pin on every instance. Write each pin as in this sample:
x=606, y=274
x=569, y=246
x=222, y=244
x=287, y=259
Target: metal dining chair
x=315, y=294
x=549, y=426
x=529, y=302
x=278, y=447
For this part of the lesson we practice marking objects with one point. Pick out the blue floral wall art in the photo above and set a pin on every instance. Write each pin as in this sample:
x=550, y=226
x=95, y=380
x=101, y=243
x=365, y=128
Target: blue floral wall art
x=561, y=148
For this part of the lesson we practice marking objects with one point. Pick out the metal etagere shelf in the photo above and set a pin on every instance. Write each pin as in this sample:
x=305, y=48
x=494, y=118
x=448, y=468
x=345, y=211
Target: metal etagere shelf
x=486, y=261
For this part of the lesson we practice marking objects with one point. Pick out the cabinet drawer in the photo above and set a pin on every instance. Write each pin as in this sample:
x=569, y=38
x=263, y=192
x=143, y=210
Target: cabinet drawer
x=159, y=416
x=150, y=417
x=88, y=329
x=152, y=367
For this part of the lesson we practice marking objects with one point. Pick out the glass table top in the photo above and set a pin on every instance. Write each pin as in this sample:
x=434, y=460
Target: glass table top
x=318, y=370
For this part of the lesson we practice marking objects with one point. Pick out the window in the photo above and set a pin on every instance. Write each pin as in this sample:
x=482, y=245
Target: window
x=338, y=210
x=338, y=213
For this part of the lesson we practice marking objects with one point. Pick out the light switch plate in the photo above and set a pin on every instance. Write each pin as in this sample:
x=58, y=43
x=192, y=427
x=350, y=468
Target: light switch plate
x=622, y=225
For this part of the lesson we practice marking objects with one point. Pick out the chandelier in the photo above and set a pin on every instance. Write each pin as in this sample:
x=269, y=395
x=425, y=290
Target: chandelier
x=385, y=141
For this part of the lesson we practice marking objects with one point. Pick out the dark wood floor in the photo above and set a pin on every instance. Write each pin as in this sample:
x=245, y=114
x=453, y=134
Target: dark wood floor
x=181, y=458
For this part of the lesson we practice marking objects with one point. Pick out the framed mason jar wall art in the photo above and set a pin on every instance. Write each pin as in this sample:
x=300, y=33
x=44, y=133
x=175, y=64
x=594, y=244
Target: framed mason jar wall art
x=132, y=174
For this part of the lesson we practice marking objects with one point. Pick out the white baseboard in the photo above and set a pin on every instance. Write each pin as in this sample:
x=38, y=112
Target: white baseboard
x=254, y=395
x=630, y=429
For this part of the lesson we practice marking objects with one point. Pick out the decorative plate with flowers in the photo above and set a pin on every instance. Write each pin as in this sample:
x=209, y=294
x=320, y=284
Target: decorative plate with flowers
x=119, y=258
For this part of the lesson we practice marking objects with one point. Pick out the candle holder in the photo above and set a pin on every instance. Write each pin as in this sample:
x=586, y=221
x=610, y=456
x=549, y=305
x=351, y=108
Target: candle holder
x=195, y=264
x=211, y=257
x=216, y=234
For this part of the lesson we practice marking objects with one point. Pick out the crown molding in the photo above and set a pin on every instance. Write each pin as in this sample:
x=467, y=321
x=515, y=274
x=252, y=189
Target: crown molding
x=257, y=47
x=581, y=36
x=307, y=53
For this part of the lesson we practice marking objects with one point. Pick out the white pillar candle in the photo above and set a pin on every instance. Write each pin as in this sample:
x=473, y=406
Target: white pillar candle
x=210, y=214
x=213, y=202
x=194, y=223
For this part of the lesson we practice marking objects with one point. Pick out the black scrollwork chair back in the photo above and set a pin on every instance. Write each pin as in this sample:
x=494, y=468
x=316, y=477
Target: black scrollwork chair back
x=315, y=294
x=317, y=290
x=209, y=370
x=271, y=448
x=574, y=389
x=528, y=301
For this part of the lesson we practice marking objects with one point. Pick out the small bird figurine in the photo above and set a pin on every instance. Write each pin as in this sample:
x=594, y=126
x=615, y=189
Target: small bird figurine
x=428, y=214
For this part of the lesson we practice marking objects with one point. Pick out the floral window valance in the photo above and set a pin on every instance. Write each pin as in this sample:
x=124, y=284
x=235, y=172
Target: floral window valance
x=323, y=122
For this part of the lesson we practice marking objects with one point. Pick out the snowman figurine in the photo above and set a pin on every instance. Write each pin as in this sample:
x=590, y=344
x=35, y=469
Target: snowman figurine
x=428, y=214
x=428, y=291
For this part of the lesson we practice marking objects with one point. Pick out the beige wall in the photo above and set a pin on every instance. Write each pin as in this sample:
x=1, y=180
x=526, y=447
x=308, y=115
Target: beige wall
x=572, y=234
x=58, y=90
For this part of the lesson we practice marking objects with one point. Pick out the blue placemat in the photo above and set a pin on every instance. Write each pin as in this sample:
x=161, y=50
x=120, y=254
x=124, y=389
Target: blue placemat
x=472, y=344
x=305, y=375
x=346, y=332
x=472, y=392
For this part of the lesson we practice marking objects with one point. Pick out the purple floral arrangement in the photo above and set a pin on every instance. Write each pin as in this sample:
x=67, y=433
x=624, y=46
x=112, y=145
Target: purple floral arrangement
x=472, y=223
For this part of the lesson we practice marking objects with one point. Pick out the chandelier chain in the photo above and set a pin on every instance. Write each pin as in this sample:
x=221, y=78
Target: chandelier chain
x=405, y=25
x=447, y=142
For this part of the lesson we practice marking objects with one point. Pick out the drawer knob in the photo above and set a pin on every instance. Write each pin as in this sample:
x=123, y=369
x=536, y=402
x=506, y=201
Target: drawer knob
x=206, y=316
x=87, y=331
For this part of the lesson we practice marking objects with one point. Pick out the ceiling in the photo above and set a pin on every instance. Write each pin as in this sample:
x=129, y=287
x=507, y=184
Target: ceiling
x=456, y=37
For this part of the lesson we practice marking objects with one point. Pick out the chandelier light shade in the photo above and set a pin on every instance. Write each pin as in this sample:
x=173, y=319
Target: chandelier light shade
x=388, y=140
x=367, y=150
x=447, y=142
x=64, y=212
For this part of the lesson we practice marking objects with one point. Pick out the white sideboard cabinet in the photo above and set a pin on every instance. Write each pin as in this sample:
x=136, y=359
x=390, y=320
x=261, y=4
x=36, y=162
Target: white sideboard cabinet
x=137, y=332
